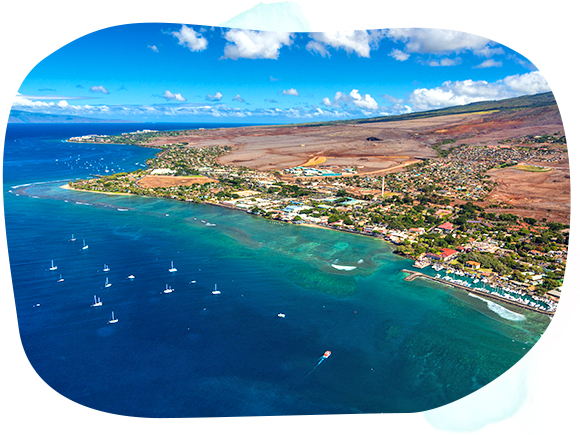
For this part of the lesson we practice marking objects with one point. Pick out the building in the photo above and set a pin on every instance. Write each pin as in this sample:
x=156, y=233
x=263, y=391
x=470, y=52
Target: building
x=447, y=227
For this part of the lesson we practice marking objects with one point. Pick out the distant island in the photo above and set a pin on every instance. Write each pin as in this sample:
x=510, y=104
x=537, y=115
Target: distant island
x=481, y=189
x=25, y=117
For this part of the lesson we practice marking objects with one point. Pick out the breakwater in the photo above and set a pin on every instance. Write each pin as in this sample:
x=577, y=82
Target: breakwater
x=414, y=274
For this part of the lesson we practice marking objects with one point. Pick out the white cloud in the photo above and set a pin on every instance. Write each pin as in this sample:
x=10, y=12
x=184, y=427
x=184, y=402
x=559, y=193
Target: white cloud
x=445, y=62
x=529, y=83
x=341, y=100
x=218, y=96
x=290, y=91
x=22, y=101
x=191, y=39
x=251, y=44
x=456, y=94
x=171, y=96
x=318, y=47
x=153, y=48
x=238, y=99
x=469, y=91
x=392, y=99
x=489, y=63
x=436, y=41
x=99, y=88
x=360, y=42
x=488, y=51
x=366, y=102
x=399, y=55
x=62, y=103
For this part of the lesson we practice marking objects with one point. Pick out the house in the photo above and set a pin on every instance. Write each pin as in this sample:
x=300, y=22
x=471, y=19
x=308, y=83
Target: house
x=473, y=264
x=444, y=255
x=448, y=254
x=447, y=227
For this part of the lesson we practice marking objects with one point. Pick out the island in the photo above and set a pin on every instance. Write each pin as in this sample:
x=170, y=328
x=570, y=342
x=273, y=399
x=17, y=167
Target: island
x=480, y=190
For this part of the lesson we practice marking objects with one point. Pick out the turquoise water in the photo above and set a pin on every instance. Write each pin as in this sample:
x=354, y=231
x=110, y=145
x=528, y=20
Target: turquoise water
x=396, y=346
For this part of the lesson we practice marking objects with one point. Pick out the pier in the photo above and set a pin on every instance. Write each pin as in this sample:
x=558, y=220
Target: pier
x=414, y=274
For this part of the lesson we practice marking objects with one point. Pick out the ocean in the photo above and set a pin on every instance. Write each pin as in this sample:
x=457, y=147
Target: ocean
x=396, y=346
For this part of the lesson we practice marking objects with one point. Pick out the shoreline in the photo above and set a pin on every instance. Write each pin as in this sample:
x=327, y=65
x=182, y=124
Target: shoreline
x=66, y=186
x=413, y=274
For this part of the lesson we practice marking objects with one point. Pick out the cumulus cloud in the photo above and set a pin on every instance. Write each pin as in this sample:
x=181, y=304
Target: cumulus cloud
x=252, y=44
x=171, y=96
x=218, y=96
x=366, y=102
x=191, y=39
x=99, y=88
x=529, y=83
x=469, y=91
x=436, y=41
x=360, y=42
x=21, y=101
x=238, y=99
x=341, y=99
x=290, y=91
x=399, y=55
x=153, y=48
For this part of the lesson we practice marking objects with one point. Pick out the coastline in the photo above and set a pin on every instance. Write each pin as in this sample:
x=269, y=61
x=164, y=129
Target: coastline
x=414, y=274
x=66, y=186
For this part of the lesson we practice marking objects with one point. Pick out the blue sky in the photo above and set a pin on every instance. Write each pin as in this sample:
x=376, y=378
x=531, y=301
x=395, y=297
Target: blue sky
x=177, y=72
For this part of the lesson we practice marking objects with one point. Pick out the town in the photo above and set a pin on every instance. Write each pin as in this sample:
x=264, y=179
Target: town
x=433, y=212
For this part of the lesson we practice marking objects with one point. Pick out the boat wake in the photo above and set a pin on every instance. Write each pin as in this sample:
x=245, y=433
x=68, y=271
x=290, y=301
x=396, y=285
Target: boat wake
x=320, y=361
x=501, y=311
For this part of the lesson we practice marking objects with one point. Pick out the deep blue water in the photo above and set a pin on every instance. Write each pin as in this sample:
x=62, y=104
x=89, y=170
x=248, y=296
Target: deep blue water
x=396, y=346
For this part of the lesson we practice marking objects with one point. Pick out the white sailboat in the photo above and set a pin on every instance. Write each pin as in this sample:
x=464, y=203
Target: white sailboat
x=106, y=268
x=216, y=291
x=113, y=319
x=72, y=239
x=107, y=283
x=131, y=277
x=61, y=279
x=52, y=266
x=172, y=269
x=85, y=246
x=97, y=302
x=168, y=289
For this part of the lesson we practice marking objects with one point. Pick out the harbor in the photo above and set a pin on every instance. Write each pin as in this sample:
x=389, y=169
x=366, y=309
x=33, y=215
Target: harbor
x=413, y=274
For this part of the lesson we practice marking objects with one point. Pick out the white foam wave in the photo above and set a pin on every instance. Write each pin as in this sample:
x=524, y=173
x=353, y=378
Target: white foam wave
x=336, y=266
x=501, y=311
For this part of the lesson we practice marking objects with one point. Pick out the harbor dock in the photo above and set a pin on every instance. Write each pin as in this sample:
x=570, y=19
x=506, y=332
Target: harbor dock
x=413, y=274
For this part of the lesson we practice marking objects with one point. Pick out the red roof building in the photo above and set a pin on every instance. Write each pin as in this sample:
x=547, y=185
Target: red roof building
x=447, y=226
x=447, y=253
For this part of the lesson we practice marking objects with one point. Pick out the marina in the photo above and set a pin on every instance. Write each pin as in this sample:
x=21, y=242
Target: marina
x=413, y=274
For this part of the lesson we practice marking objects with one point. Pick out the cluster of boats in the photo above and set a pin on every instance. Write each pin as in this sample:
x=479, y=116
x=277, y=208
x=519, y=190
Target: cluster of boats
x=97, y=302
